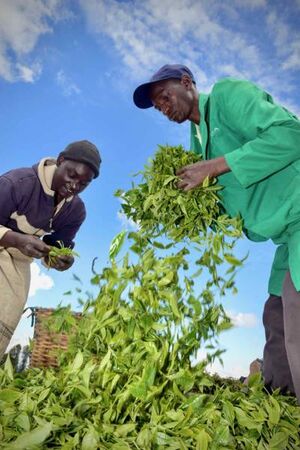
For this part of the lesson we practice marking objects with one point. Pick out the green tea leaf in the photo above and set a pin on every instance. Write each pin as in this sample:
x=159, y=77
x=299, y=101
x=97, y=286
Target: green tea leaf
x=31, y=439
x=9, y=395
x=78, y=361
x=90, y=441
x=116, y=244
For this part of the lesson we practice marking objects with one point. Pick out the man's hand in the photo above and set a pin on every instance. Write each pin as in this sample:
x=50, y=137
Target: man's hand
x=61, y=263
x=193, y=175
x=29, y=245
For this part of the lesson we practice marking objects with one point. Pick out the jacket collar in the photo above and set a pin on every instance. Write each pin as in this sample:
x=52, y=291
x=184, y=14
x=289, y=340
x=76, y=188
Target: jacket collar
x=45, y=170
x=196, y=145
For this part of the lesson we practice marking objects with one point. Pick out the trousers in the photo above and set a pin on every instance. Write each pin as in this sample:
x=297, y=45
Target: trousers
x=281, y=319
x=14, y=287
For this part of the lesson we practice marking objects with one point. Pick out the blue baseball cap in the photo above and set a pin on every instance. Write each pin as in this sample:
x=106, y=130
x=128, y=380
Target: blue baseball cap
x=141, y=95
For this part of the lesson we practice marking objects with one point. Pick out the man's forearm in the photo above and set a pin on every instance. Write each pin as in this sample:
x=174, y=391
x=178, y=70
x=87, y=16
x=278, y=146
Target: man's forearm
x=10, y=239
x=219, y=166
x=29, y=245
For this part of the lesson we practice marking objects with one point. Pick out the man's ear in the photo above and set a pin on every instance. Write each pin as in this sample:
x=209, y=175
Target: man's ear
x=59, y=160
x=186, y=81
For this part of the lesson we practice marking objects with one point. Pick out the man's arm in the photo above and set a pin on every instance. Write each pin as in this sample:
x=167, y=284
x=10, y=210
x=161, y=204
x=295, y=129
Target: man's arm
x=271, y=136
x=29, y=245
x=271, y=133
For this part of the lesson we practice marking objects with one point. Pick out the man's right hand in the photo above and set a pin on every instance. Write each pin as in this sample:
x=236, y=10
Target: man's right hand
x=33, y=246
x=193, y=175
x=29, y=245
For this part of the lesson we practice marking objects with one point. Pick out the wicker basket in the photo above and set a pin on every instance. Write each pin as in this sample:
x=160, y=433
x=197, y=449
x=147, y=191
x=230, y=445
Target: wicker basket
x=46, y=345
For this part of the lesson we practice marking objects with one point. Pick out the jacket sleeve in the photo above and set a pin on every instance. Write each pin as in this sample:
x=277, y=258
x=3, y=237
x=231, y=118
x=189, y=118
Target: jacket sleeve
x=271, y=134
x=66, y=227
x=7, y=204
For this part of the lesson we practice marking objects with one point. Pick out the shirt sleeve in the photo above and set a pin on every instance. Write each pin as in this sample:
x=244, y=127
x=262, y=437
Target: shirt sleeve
x=7, y=204
x=280, y=267
x=270, y=132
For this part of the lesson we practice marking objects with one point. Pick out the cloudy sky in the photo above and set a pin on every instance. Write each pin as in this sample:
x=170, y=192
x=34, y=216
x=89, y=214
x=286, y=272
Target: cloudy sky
x=67, y=72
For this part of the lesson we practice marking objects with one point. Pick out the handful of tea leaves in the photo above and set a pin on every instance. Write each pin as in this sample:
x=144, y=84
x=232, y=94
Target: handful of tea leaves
x=162, y=211
x=158, y=206
x=59, y=251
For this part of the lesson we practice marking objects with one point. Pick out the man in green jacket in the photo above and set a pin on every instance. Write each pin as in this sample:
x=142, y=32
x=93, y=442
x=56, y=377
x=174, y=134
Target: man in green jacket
x=252, y=146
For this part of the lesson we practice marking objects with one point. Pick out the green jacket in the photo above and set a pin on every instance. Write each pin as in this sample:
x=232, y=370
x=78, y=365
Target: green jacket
x=260, y=141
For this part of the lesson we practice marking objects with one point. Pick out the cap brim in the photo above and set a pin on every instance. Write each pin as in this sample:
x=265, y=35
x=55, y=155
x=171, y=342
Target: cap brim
x=141, y=96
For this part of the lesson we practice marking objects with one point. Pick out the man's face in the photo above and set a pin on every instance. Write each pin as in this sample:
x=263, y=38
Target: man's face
x=173, y=98
x=70, y=178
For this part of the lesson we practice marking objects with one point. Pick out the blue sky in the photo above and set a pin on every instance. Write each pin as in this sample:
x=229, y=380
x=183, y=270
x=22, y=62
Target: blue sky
x=67, y=72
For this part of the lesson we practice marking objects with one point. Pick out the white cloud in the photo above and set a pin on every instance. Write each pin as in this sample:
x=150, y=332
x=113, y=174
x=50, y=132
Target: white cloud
x=148, y=34
x=138, y=31
x=39, y=280
x=29, y=74
x=229, y=70
x=22, y=23
x=128, y=224
x=212, y=38
x=279, y=30
x=293, y=60
x=5, y=64
x=251, y=3
x=287, y=41
x=243, y=320
x=68, y=86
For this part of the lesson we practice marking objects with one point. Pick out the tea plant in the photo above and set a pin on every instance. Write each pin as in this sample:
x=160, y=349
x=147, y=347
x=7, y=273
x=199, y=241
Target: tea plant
x=129, y=378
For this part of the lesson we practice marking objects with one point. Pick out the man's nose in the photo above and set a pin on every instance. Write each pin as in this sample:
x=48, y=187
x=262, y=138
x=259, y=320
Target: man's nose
x=74, y=186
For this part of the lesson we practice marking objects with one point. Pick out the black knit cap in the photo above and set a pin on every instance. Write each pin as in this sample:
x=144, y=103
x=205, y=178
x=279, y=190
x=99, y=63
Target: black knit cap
x=84, y=152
